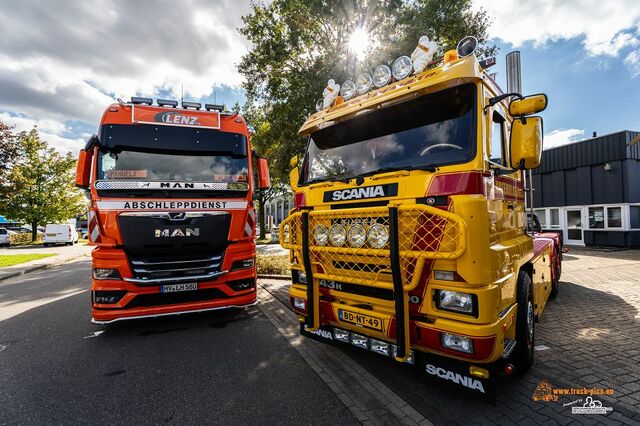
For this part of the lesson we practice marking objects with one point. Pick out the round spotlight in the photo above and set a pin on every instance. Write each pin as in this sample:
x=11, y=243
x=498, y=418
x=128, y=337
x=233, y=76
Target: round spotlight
x=363, y=83
x=402, y=67
x=378, y=235
x=381, y=75
x=348, y=90
x=320, y=105
x=337, y=235
x=357, y=235
x=467, y=46
x=321, y=235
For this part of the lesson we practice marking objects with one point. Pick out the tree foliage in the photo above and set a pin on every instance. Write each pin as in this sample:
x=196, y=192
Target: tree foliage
x=40, y=184
x=297, y=45
x=9, y=150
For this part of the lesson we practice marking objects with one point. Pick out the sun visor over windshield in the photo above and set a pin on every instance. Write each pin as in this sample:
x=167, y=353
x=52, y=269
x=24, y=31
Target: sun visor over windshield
x=167, y=138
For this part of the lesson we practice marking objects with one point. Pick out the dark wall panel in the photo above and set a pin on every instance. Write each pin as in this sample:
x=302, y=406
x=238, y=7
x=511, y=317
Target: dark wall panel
x=537, y=194
x=607, y=186
x=631, y=177
x=584, y=185
x=558, y=188
x=571, y=187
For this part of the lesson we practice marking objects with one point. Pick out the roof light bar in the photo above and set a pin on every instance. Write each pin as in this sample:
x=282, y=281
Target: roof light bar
x=167, y=102
x=141, y=101
x=213, y=107
x=194, y=105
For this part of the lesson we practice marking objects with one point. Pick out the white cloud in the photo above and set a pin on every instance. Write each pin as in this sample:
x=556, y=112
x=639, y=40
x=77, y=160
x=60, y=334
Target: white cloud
x=562, y=137
x=69, y=60
x=51, y=131
x=607, y=26
x=633, y=62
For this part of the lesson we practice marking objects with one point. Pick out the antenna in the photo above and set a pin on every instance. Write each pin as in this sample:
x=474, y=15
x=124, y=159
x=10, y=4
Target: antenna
x=181, y=92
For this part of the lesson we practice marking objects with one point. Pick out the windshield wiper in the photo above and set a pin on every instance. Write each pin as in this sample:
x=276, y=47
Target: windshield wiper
x=429, y=168
x=311, y=182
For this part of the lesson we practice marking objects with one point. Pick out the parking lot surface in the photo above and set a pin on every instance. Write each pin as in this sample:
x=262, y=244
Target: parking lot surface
x=253, y=367
x=586, y=338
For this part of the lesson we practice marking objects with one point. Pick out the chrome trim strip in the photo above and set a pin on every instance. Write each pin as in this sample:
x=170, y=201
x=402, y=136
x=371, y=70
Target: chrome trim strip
x=147, y=271
x=218, y=308
x=170, y=185
x=167, y=215
x=142, y=262
x=156, y=281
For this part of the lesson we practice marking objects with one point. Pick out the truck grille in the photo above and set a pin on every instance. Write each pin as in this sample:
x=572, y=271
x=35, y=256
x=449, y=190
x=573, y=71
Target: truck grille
x=424, y=233
x=161, y=268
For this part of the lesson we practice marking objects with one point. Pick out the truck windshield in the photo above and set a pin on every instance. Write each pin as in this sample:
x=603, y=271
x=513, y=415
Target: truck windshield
x=165, y=167
x=171, y=161
x=422, y=133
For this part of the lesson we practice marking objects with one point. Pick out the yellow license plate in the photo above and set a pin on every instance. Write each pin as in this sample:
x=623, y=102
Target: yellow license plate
x=360, y=319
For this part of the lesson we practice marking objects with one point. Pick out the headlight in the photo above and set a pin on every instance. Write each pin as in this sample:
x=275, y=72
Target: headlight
x=378, y=236
x=320, y=235
x=337, y=235
x=363, y=83
x=348, y=89
x=286, y=234
x=381, y=75
x=457, y=343
x=357, y=235
x=106, y=274
x=455, y=301
x=320, y=105
x=402, y=67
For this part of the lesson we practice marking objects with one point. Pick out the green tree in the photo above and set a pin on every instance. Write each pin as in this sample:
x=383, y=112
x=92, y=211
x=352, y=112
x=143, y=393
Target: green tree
x=41, y=184
x=9, y=150
x=297, y=45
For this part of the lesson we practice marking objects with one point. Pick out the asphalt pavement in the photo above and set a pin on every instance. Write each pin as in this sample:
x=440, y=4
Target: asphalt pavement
x=213, y=368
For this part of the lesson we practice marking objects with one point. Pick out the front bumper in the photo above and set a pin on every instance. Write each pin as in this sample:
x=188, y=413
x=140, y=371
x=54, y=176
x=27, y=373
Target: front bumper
x=488, y=339
x=230, y=288
x=97, y=321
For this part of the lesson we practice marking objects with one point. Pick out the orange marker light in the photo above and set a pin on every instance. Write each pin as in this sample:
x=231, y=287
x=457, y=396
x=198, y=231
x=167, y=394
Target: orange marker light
x=450, y=56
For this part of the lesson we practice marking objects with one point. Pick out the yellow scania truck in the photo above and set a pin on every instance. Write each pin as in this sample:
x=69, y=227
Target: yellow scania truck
x=412, y=234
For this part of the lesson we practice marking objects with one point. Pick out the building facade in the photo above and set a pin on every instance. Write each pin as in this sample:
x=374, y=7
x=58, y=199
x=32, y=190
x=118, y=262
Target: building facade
x=277, y=209
x=590, y=191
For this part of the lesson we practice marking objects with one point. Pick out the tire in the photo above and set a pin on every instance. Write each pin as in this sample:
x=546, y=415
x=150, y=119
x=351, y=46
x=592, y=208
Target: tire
x=522, y=357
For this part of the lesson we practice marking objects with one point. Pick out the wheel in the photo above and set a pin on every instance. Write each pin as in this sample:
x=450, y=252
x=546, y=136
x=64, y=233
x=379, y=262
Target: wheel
x=522, y=356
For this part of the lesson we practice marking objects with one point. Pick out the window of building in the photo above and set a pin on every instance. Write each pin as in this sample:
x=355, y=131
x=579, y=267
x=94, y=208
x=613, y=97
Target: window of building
x=555, y=218
x=541, y=214
x=614, y=217
x=634, y=216
x=497, y=139
x=596, y=217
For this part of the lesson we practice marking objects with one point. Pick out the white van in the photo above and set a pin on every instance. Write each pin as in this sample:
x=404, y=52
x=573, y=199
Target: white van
x=4, y=238
x=60, y=233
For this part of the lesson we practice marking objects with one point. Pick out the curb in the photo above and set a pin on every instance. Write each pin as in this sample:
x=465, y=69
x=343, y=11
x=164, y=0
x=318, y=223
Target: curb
x=275, y=277
x=39, y=267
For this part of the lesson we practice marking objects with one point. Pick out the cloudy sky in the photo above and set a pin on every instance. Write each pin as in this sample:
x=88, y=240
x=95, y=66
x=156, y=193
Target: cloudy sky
x=63, y=62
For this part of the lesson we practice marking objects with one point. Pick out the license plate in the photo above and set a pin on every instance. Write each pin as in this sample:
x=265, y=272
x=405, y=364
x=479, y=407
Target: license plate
x=51, y=235
x=360, y=319
x=171, y=288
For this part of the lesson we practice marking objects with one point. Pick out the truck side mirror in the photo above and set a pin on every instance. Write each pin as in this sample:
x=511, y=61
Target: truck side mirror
x=264, y=182
x=526, y=143
x=294, y=174
x=83, y=170
x=531, y=104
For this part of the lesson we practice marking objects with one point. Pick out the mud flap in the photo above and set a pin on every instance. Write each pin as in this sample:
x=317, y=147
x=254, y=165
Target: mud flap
x=455, y=374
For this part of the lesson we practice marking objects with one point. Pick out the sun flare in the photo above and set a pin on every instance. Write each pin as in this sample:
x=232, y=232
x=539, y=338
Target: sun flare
x=359, y=42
